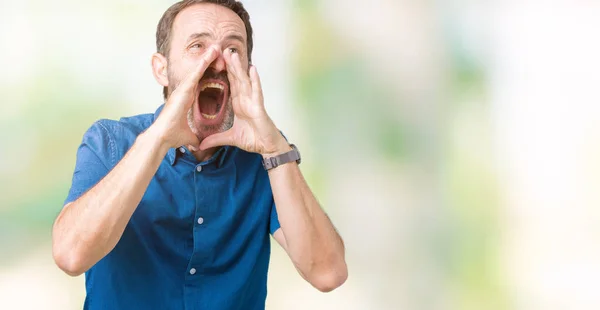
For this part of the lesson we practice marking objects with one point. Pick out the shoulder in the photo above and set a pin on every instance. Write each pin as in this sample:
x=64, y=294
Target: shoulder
x=130, y=125
x=115, y=137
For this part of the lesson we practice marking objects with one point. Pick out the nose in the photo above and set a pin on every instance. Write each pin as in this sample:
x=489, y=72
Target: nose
x=218, y=64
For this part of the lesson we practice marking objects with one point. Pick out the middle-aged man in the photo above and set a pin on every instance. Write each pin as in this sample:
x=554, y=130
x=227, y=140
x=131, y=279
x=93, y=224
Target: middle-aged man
x=173, y=210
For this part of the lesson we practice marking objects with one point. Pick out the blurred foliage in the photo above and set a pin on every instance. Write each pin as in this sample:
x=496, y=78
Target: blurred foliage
x=56, y=111
x=336, y=90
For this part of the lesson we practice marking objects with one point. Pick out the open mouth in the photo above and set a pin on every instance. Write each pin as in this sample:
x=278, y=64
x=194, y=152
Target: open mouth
x=212, y=98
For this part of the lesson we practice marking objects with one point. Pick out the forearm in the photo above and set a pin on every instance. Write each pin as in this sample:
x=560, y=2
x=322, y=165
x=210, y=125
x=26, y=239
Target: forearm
x=311, y=240
x=90, y=227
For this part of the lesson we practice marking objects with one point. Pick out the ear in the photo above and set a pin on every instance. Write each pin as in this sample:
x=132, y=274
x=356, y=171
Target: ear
x=159, y=69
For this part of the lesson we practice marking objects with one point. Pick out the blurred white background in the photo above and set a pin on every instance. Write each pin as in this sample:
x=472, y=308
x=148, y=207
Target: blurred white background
x=471, y=134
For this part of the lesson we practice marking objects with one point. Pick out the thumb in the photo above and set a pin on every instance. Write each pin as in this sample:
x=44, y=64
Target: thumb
x=218, y=139
x=194, y=143
x=193, y=147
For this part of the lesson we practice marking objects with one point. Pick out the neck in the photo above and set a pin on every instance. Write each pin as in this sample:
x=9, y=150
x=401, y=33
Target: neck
x=205, y=154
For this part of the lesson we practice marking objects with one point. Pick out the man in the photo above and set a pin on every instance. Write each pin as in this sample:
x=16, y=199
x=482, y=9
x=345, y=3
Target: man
x=173, y=210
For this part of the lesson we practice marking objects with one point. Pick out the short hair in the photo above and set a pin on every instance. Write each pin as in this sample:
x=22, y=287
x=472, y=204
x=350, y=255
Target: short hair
x=165, y=25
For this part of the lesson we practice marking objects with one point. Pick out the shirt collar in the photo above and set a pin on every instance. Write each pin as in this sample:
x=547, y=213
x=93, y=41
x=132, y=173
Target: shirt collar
x=173, y=154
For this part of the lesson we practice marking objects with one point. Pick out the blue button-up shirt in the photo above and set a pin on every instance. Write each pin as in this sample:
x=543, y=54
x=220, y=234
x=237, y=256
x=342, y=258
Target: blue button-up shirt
x=199, y=239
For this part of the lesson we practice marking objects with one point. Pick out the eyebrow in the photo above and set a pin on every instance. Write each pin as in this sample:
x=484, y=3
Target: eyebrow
x=200, y=35
x=234, y=37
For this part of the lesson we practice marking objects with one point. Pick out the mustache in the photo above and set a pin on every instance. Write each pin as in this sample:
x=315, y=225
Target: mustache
x=210, y=73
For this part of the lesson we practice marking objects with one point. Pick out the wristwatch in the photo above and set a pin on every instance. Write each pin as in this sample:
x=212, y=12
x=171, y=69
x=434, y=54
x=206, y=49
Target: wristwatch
x=272, y=162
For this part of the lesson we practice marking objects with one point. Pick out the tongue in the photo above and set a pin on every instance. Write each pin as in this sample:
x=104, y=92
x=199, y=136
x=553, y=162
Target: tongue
x=208, y=103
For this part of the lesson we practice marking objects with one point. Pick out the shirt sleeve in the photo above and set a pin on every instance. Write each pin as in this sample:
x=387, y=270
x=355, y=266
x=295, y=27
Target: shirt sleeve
x=94, y=157
x=274, y=222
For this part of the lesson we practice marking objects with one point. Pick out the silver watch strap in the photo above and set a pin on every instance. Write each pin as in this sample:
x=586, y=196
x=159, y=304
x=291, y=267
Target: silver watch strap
x=272, y=162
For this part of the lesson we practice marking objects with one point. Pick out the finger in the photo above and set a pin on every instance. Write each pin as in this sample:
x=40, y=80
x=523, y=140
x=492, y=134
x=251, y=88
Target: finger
x=232, y=84
x=192, y=148
x=233, y=89
x=193, y=142
x=192, y=79
x=256, y=86
x=230, y=69
x=240, y=76
x=218, y=139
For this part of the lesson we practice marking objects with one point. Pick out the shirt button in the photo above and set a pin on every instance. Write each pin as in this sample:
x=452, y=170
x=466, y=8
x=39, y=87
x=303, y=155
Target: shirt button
x=193, y=271
x=199, y=168
x=200, y=220
x=182, y=150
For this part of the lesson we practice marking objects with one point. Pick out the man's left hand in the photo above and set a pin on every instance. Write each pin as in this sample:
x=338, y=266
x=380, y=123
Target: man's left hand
x=252, y=130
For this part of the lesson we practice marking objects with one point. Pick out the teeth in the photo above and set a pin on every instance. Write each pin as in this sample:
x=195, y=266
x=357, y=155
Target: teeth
x=211, y=85
x=209, y=116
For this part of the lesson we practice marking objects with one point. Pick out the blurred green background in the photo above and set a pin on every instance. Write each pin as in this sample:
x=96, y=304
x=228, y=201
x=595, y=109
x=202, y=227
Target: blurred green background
x=454, y=144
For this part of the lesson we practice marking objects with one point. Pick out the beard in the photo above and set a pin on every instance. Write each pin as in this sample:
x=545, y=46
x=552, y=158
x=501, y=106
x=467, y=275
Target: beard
x=203, y=131
x=200, y=130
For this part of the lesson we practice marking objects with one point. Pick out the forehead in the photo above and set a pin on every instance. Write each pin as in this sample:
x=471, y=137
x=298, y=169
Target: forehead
x=215, y=19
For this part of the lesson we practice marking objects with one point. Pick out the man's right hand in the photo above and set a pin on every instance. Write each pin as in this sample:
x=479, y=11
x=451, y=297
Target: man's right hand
x=172, y=125
x=90, y=227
